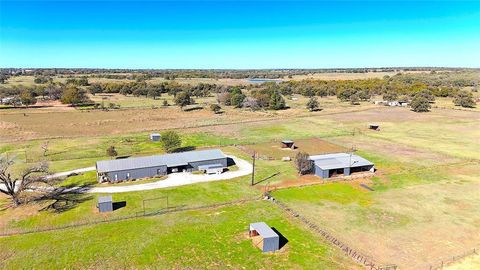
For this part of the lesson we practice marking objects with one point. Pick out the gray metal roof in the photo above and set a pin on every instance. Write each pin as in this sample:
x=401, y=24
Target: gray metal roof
x=263, y=229
x=287, y=141
x=103, y=199
x=339, y=160
x=170, y=160
x=210, y=166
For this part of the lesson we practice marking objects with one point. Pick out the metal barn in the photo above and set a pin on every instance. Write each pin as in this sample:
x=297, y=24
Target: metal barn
x=143, y=167
x=340, y=164
x=105, y=204
x=264, y=237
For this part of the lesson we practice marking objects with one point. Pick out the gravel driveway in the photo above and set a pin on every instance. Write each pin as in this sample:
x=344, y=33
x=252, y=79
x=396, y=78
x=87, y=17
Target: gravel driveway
x=181, y=179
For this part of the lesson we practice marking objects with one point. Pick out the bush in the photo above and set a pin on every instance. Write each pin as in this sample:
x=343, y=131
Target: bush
x=276, y=101
x=312, y=104
x=354, y=99
x=464, y=99
x=183, y=99
x=170, y=141
x=215, y=108
x=303, y=163
x=420, y=104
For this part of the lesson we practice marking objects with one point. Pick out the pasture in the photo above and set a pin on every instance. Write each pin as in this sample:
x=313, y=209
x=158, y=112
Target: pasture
x=422, y=209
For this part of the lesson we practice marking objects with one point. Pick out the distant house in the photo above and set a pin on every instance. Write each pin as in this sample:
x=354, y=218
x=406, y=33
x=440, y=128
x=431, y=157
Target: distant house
x=394, y=103
x=151, y=166
x=155, y=137
x=264, y=237
x=288, y=144
x=344, y=164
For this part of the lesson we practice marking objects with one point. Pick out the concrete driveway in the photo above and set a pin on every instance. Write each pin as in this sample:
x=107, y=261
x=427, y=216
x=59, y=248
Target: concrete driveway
x=180, y=179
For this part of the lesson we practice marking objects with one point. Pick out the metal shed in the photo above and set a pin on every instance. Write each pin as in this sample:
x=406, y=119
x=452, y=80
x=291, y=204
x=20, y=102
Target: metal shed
x=155, y=137
x=105, y=204
x=264, y=237
x=330, y=165
x=142, y=167
x=288, y=144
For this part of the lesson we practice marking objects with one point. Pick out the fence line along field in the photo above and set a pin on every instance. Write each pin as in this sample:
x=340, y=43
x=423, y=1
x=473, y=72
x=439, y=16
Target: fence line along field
x=420, y=207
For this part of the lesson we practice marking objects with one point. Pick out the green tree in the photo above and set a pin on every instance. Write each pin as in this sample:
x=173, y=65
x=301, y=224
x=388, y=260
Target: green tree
x=73, y=95
x=237, y=99
x=390, y=96
x=420, y=104
x=276, y=101
x=170, y=141
x=112, y=152
x=464, y=99
x=312, y=104
x=154, y=92
x=183, y=99
x=27, y=98
x=427, y=94
x=95, y=89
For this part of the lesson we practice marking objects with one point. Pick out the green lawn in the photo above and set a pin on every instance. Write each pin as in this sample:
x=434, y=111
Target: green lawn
x=213, y=239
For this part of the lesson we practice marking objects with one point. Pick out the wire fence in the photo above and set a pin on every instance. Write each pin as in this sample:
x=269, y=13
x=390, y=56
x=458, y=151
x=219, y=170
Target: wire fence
x=138, y=214
x=453, y=259
x=359, y=257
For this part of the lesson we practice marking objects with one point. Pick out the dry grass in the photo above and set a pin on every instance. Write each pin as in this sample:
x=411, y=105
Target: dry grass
x=312, y=146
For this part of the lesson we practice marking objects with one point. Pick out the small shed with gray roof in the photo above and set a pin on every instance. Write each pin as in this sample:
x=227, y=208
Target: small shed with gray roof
x=105, y=204
x=151, y=166
x=331, y=165
x=264, y=237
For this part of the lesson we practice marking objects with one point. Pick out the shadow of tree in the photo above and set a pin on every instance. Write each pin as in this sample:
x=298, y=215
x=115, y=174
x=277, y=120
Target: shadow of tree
x=64, y=198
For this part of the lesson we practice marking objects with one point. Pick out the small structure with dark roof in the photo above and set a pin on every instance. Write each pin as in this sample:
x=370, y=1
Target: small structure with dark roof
x=288, y=144
x=374, y=126
x=105, y=204
x=155, y=137
x=143, y=167
x=264, y=237
x=331, y=165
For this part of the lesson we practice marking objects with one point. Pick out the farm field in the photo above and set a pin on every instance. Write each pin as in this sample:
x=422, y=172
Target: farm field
x=425, y=187
x=424, y=205
x=215, y=239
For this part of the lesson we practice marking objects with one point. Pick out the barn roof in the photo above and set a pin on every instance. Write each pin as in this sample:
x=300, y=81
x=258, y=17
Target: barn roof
x=263, y=229
x=170, y=160
x=103, y=199
x=339, y=160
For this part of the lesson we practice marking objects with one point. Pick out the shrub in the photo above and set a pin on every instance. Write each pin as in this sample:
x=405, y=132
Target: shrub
x=170, y=141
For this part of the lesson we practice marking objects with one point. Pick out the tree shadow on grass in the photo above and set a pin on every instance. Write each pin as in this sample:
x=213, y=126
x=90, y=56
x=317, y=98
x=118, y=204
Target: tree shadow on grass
x=63, y=199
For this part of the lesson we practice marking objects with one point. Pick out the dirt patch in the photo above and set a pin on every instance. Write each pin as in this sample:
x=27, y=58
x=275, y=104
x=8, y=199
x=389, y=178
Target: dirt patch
x=307, y=180
x=274, y=150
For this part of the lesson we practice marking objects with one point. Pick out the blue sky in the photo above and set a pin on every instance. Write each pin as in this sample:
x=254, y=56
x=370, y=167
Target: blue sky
x=232, y=34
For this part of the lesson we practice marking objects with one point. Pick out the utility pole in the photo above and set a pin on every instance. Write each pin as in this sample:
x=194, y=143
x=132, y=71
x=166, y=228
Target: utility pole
x=253, y=170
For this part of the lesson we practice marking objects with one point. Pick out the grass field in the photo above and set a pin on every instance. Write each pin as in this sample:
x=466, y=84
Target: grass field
x=213, y=239
x=423, y=209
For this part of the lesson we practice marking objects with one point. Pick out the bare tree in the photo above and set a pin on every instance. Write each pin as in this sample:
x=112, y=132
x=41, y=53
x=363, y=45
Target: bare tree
x=303, y=163
x=45, y=148
x=14, y=187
